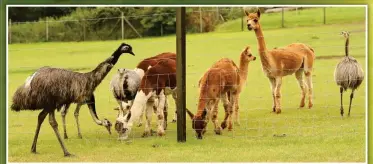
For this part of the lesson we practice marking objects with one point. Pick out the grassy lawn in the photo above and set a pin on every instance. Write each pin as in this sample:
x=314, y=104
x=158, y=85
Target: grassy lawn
x=306, y=17
x=312, y=135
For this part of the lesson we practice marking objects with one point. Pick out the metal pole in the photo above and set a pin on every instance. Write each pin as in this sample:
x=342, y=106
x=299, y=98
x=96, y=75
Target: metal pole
x=122, y=19
x=46, y=29
x=200, y=20
x=10, y=32
x=84, y=30
x=282, y=18
x=242, y=23
x=180, y=74
x=324, y=15
x=161, y=29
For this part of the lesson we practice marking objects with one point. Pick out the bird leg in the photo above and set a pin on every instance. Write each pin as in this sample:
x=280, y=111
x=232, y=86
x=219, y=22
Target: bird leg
x=53, y=123
x=341, y=91
x=351, y=97
x=64, y=111
x=41, y=118
x=76, y=114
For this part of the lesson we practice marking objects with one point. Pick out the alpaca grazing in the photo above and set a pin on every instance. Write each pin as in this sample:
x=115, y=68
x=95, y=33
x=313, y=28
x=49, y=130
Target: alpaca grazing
x=124, y=87
x=348, y=74
x=224, y=80
x=51, y=88
x=295, y=58
x=158, y=81
x=132, y=87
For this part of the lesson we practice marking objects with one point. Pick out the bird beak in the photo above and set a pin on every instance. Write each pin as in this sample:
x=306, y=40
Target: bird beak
x=132, y=53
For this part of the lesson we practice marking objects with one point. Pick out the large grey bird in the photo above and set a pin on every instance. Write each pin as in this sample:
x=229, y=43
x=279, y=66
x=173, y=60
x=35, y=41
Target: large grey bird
x=348, y=74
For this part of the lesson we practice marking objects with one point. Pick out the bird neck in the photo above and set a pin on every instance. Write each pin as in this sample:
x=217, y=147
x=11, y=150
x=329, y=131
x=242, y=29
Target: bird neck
x=346, y=45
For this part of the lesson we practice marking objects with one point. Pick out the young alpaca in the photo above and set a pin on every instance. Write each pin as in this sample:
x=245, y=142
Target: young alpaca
x=295, y=58
x=159, y=81
x=51, y=88
x=245, y=58
x=223, y=80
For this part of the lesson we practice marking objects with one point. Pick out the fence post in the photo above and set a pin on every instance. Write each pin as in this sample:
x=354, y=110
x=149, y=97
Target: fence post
x=10, y=32
x=180, y=74
x=242, y=23
x=282, y=25
x=46, y=29
x=200, y=20
x=161, y=29
x=324, y=15
x=122, y=21
x=84, y=28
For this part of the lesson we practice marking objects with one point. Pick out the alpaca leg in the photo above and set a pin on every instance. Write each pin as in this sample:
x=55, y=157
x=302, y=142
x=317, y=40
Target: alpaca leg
x=226, y=104
x=351, y=97
x=341, y=91
x=232, y=100
x=41, y=118
x=174, y=96
x=165, y=113
x=273, y=87
x=236, y=109
x=76, y=114
x=214, y=118
x=64, y=111
x=92, y=109
x=148, y=114
x=310, y=88
x=278, y=94
x=299, y=77
x=53, y=123
x=160, y=116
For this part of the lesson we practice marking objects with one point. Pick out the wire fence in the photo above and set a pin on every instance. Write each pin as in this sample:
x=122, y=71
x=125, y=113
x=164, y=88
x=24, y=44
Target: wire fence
x=122, y=26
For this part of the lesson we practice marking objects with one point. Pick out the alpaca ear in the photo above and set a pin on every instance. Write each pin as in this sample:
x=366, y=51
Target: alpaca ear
x=204, y=113
x=191, y=115
x=128, y=116
x=246, y=13
x=258, y=13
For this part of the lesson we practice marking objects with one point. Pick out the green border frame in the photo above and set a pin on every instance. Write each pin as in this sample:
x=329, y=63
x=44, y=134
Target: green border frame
x=3, y=142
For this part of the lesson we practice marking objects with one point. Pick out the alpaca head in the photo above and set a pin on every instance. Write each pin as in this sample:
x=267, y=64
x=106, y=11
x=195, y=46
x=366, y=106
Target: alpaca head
x=121, y=71
x=126, y=48
x=252, y=20
x=199, y=123
x=345, y=34
x=121, y=125
x=247, y=55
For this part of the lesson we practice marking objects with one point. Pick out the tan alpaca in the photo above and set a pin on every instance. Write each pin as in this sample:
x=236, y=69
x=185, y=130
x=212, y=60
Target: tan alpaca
x=221, y=80
x=245, y=57
x=276, y=63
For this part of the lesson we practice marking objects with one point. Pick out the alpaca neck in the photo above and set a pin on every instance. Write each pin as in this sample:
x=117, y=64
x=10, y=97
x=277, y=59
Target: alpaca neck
x=244, y=68
x=346, y=46
x=262, y=47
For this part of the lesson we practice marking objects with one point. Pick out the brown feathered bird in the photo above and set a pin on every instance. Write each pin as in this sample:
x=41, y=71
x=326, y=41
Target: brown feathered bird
x=348, y=74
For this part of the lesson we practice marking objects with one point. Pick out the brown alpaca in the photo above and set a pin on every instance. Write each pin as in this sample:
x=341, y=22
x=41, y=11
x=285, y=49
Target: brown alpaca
x=279, y=62
x=245, y=57
x=223, y=79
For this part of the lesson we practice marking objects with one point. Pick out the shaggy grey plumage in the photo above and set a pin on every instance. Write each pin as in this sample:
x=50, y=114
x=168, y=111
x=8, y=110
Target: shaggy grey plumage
x=348, y=74
x=52, y=88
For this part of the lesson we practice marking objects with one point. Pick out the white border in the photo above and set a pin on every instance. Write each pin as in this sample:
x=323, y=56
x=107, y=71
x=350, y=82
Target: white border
x=366, y=52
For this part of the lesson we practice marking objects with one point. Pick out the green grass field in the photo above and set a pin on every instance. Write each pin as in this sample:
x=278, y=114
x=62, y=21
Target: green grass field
x=312, y=135
x=306, y=17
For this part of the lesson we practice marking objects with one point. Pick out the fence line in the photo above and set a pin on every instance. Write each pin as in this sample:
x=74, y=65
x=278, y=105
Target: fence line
x=109, y=36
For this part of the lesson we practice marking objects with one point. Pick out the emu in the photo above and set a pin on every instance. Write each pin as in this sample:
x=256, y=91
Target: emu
x=223, y=80
x=158, y=81
x=50, y=88
x=348, y=74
